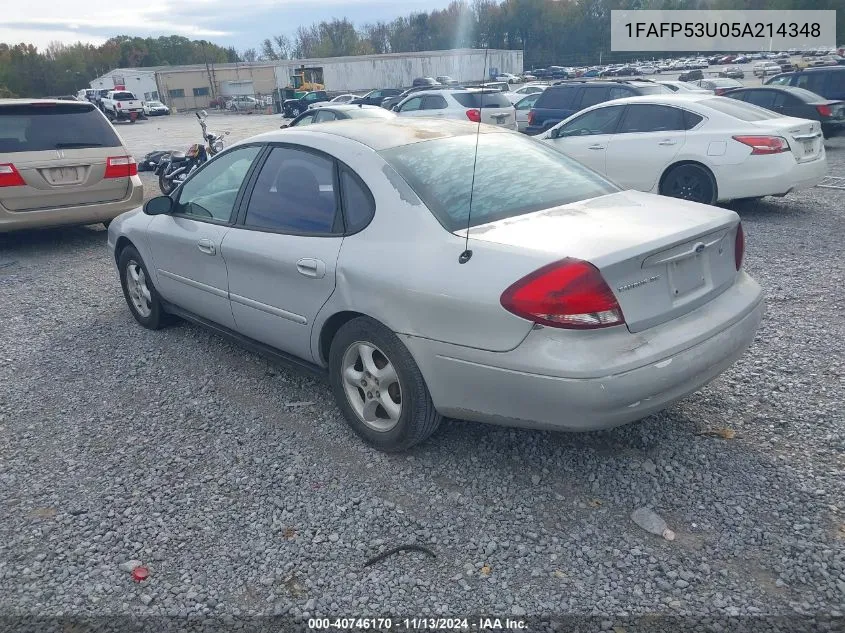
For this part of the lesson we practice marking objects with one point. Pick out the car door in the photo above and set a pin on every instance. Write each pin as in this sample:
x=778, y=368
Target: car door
x=411, y=108
x=281, y=256
x=646, y=142
x=186, y=244
x=585, y=138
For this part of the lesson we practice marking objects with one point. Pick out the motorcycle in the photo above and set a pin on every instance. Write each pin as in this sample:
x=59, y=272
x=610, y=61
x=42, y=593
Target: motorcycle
x=172, y=170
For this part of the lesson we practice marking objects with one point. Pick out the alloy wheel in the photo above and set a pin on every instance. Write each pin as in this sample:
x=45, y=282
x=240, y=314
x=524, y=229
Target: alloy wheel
x=139, y=293
x=372, y=386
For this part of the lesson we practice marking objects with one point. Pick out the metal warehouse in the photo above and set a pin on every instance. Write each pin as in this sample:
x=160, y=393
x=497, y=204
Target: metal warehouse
x=195, y=86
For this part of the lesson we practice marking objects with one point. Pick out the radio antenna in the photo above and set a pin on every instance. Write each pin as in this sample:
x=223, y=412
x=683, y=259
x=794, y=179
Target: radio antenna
x=467, y=254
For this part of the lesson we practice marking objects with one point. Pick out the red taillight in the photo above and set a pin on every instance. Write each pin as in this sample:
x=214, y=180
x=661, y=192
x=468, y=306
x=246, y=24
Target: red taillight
x=568, y=294
x=764, y=144
x=9, y=176
x=119, y=105
x=121, y=167
x=739, y=246
x=531, y=117
x=474, y=115
x=824, y=110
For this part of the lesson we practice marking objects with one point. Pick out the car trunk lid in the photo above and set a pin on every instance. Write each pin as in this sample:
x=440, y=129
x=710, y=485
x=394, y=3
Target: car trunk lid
x=661, y=257
x=804, y=136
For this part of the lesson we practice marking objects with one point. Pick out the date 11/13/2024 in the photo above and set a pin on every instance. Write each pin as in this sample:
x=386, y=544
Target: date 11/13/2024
x=418, y=624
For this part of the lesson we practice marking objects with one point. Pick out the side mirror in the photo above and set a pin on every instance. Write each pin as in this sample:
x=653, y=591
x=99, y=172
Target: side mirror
x=395, y=108
x=284, y=125
x=554, y=133
x=160, y=205
x=204, y=114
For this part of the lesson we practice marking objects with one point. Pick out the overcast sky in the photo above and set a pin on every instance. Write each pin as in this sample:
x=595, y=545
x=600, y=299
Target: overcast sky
x=239, y=23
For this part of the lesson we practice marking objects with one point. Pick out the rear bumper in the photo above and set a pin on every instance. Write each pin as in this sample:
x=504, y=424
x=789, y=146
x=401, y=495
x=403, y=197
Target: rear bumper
x=778, y=175
x=63, y=216
x=583, y=381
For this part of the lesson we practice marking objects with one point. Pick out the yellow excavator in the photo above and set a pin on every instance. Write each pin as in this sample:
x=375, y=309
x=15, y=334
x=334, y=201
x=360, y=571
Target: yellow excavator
x=304, y=80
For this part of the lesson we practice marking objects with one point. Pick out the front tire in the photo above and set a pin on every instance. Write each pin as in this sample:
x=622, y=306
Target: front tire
x=689, y=182
x=379, y=387
x=138, y=290
x=166, y=186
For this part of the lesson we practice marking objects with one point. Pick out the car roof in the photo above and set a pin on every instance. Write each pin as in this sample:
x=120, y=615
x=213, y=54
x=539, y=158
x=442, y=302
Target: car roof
x=382, y=134
x=7, y=102
x=345, y=107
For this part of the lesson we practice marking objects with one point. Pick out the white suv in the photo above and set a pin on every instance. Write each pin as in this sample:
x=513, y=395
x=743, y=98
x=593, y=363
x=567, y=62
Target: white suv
x=478, y=106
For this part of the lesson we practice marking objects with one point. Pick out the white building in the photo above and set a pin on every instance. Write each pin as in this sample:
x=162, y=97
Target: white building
x=139, y=81
x=195, y=86
x=396, y=70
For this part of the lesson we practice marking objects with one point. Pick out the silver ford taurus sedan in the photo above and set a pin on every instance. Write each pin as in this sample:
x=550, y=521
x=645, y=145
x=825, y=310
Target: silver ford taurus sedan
x=531, y=293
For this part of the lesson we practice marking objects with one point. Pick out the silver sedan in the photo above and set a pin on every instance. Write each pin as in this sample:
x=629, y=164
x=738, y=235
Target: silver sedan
x=543, y=297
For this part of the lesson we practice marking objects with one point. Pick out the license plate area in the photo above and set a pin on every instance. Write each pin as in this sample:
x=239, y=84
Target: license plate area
x=60, y=176
x=686, y=275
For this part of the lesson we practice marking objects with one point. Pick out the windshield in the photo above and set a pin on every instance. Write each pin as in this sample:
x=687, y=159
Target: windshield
x=440, y=172
x=739, y=109
x=39, y=127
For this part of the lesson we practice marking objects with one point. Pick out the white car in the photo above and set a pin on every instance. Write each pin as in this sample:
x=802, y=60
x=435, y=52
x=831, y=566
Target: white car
x=697, y=147
x=338, y=100
x=155, y=108
x=476, y=105
x=684, y=87
x=522, y=108
x=510, y=78
x=762, y=69
x=519, y=93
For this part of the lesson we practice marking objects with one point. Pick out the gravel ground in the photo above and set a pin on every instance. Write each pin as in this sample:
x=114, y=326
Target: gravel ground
x=240, y=488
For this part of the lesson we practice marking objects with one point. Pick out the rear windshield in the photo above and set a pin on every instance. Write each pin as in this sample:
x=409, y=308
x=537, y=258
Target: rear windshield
x=441, y=172
x=40, y=127
x=482, y=99
x=123, y=95
x=739, y=109
x=805, y=95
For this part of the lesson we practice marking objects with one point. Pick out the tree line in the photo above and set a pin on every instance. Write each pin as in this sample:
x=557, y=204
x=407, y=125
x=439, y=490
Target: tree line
x=564, y=32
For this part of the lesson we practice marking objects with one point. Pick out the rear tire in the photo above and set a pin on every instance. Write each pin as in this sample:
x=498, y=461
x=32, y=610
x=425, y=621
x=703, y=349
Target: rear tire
x=691, y=182
x=379, y=387
x=138, y=290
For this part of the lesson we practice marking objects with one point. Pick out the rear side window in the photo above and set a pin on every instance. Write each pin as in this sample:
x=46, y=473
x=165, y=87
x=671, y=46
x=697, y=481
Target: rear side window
x=593, y=95
x=651, y=118
x=37, y=127
x=556, y=98
x=814, y=82
x=358, y=203
x=482, y=99
x=739, y=109
x=691, y=119
x=836, y=85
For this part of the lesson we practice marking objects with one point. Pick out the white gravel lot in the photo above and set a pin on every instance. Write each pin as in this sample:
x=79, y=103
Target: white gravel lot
x=177, y=449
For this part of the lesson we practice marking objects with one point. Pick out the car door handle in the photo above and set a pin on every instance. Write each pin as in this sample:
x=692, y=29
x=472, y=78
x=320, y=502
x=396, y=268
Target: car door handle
x=311, y=267
x=668, y=141
x=207, y=247
x=595, y=147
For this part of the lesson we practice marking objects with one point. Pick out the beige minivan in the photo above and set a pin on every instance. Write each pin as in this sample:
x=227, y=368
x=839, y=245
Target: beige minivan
x=62, y=163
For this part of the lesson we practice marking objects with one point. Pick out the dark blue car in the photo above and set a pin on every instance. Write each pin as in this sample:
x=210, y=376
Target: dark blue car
x=827, y=81
x=564, y=99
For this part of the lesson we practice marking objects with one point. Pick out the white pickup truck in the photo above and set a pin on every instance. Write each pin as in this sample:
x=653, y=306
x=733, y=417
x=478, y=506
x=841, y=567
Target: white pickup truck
x=121, y=105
